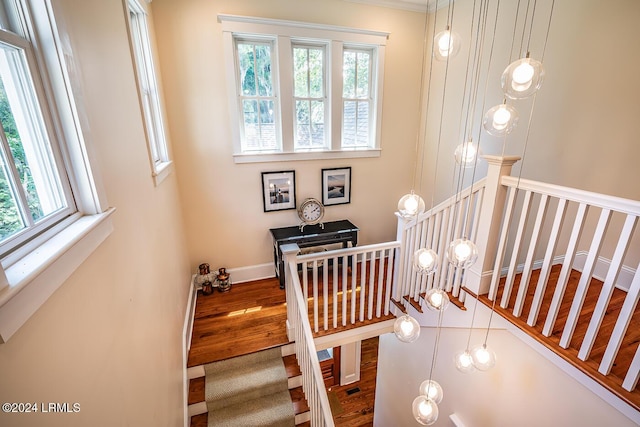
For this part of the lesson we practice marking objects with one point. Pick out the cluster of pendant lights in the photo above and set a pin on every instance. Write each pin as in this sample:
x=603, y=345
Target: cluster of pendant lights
x=521, y=79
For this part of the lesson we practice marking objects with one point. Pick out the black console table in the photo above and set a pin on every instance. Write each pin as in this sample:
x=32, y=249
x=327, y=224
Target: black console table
x=342, y=231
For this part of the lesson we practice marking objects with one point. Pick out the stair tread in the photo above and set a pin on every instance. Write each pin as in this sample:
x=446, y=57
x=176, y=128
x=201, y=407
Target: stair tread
x=236, y=381
x=275, y=410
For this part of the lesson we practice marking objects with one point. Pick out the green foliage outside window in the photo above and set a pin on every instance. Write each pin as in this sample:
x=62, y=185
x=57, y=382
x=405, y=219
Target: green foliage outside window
x=10, y=219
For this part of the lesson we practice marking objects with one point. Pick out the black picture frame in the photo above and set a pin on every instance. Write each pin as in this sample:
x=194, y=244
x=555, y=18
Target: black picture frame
x=336, y=186
x=278, y=190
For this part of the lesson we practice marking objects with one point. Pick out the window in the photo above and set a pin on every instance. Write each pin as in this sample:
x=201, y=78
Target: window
x=357, y=98
x=53, y=211
x=149, y=93
x=257, y=96
x=34, y=188
x=309, y=97
x=302, y=91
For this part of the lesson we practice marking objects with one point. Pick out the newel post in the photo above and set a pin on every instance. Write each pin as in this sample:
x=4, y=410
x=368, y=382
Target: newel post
x=399, y=261
x=478, y=276
x=289, y=251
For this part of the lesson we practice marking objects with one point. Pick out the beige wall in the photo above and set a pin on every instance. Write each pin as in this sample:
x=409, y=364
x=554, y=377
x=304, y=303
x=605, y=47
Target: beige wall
x=524, y=389
x=582, y=133
x=110, y=337
x=221, y=200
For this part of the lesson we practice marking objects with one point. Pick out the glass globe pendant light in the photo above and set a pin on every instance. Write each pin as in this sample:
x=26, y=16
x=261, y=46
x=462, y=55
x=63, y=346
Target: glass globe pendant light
x=406, y=328
x=500, y=120
x=446, y=44
x=425, y=261
x=522, y=78
x=425, y=410
x=437, y=299
x=432, y=390
x=483, y=357
x=410, y=205
x=464, y=362
x=466, y=154
x=462, y=253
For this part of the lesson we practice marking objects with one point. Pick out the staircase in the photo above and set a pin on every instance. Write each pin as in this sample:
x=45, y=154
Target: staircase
x=253, y=389
x=561, y=264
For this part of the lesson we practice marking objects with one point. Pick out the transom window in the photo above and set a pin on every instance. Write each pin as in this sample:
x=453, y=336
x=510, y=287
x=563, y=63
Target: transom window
x=303, y=91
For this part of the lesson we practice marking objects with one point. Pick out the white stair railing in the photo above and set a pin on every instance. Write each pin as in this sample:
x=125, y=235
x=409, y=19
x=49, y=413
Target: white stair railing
x=352, y=284
x=546, y=225
x=306, y=352
x=435, y=229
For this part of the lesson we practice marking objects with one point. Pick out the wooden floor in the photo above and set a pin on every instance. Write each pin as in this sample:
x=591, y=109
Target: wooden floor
x=251, y=317
x=627, y=350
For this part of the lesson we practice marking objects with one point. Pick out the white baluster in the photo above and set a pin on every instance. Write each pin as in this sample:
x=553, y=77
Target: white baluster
x=565, y=272
x=528, y=264
x=547, y=263
x=585, y=278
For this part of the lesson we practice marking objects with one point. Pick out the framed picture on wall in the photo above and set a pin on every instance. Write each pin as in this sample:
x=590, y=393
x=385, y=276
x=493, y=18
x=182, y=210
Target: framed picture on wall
x=336, y=186
x=279, y=190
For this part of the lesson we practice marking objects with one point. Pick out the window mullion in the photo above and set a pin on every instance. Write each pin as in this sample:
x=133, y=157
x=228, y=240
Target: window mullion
x=15, y=182
x=285, y=84
x=334, y=94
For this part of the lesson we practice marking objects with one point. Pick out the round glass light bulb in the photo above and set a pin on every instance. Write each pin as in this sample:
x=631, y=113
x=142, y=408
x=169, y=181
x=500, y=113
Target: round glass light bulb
x=410, y=205
x=464, y=362
x=483, y=357
x=432, y=390
x=425, y=410
x=500, y=120
x=447, y=44
x=523, y=74
x=462, y=253
x=522, y=78
x=437, y=299
x=406, y=328
x=466, y=154
x=425, y=261
x=444, y=43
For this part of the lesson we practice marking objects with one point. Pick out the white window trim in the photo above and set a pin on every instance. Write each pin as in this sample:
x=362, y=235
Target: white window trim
x=28, y=278
x=288, y=32
x=164, y=166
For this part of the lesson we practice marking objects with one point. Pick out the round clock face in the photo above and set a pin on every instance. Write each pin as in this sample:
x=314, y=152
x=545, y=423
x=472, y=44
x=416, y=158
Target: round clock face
x=311, y=211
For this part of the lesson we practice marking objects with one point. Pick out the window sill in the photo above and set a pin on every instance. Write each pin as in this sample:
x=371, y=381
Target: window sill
x=306, y=155
x=162, y=171
x=37, y=275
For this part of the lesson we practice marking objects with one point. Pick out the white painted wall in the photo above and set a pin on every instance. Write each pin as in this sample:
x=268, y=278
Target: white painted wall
x=221, y=200
x=110, y=337
x=523, y=389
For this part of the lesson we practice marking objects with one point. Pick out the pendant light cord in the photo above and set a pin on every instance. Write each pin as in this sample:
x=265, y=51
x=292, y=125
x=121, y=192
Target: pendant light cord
x=524, y=152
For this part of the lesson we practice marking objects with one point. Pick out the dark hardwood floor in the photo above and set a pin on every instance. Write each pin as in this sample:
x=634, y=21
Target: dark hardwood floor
x=251, y=317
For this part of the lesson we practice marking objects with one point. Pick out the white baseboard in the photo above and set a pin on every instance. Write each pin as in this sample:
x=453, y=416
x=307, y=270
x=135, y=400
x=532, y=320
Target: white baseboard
x=602, y=268
x=600, y=271
x=187, y=330
x=252, y=272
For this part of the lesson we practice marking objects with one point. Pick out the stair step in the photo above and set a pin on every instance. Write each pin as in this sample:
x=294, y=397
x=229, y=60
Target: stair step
x=237, y=380
x=273, y=410
x=298, y=400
